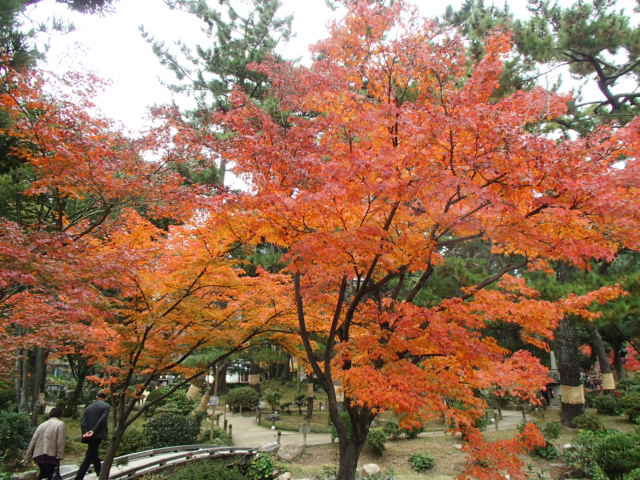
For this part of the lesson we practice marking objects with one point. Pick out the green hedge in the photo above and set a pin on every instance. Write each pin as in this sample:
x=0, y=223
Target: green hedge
x=243, y=397
x=169, y=429
x=15, y=433
x=421, y=462
x=605, y=455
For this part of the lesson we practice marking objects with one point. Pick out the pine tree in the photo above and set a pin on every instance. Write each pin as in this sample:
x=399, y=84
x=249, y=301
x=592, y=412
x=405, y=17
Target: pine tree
x=594, y=39
x=208, y=73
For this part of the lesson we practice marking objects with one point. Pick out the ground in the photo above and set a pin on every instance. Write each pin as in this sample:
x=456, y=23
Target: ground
x=449, y=459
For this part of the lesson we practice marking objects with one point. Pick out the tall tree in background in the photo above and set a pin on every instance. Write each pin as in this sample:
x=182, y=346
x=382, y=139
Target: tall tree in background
x=236, y=37
x=84, y=6
x=595, y=40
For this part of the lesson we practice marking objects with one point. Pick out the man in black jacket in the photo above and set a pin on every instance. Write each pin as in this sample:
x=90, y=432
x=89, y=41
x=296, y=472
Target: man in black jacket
x=94, y=430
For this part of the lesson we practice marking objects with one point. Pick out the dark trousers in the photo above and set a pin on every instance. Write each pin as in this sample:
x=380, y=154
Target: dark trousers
x=90, y=458
x=47, y=470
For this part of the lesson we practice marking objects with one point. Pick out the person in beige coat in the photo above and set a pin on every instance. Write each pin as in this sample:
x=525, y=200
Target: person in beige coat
x=46, y=447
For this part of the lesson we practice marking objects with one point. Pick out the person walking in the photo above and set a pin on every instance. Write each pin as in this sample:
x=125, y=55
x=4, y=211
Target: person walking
x=94, y=430
x=46, y=447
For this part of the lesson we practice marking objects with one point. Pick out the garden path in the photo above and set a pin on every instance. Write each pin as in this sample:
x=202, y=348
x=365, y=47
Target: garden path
x=246, y=433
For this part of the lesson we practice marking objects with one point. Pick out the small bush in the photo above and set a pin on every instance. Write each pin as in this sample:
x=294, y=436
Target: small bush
x=588, y=421
x=178, y=403
x=375, y=440
x=482, y=422
x=551, y=430
x=273, y=398
x=260, y=468
x=548, y=452
x=327, y=473
x=154, y=395
x=633, y=474
x=421, y=462
x=630, y=384
x=392, y=429
x=216, y=436
x=608, y=405
x=603, y=455
x=7, y=396
x=242, y=397
x=132, y=441
x=207, y=470
x=631, y=405
x=15, y=433
x=412, y=433
x=169, y=429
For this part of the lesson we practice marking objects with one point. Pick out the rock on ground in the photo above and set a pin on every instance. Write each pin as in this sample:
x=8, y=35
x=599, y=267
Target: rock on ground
x=290, y=452
x=370, y=469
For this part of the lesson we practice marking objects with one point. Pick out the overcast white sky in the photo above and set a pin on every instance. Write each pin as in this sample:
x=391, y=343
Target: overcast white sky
x=111, y=46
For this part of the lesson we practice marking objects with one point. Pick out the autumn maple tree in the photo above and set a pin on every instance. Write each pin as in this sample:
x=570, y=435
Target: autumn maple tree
x=66, y=176
x=172, y=295
x=86, y=270
x=382, y=156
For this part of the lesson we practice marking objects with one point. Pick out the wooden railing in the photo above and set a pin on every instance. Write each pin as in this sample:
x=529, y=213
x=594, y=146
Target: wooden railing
x=151, y=461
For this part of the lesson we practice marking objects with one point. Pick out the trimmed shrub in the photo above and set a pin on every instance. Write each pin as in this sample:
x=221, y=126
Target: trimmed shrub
x=375, y=440
x=169, y=429
x=273, y=398
x=630, y=384
x=631, y=405
x=216, y=436
x=548, y=452
x=7, y=396
x=243, y=397
x=608, y=405
x=132, y=441
x=633, y=474
x=392, y=429
x=483, y=421
x=207, y=470
x=153, y=396
x=178, y=403
x=601, y=455
x=551, y=430
x=412, y=433
x=589, y=421
x=15, y=433
x=260, y=468
x=421, y=462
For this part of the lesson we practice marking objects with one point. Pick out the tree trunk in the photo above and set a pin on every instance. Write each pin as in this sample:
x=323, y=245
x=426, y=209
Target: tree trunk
x=618, y=361
x=348, y=462
x=18, y=378
x=107, y=463
x=309, y=414
x=38, y=379
x=608, y=382
x=71, y=404
x=23, y=394
x=571, y=390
